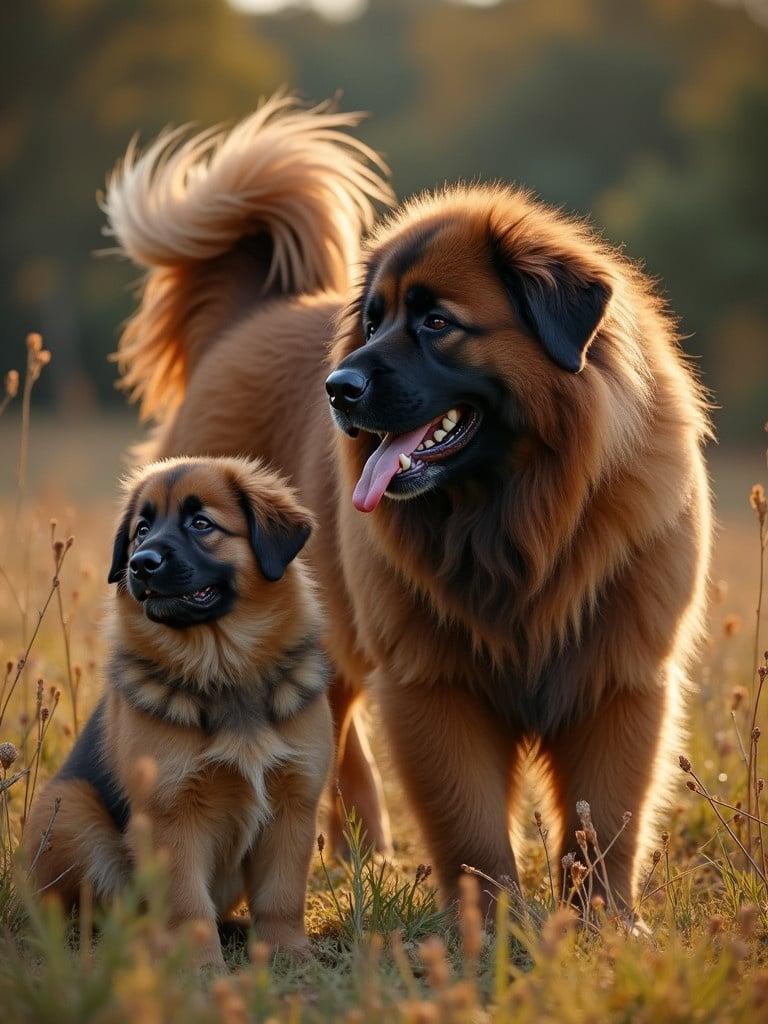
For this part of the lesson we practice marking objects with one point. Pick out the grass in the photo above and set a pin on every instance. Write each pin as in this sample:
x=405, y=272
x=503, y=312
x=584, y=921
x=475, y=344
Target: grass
x=383, y=948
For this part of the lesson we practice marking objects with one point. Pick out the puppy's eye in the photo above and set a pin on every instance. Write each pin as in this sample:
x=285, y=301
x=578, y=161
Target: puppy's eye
x=142, y=530
x=370, y=330
x=435, y=322
x=200, y=524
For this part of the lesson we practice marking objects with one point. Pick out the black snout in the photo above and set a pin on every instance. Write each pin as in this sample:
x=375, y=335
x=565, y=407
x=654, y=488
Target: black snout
x=345, y=388
x=144, y=563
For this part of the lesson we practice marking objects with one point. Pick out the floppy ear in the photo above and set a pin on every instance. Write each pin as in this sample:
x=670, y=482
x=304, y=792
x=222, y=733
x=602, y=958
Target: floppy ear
x=563, y=306
x=120, y=549
x=276, y=542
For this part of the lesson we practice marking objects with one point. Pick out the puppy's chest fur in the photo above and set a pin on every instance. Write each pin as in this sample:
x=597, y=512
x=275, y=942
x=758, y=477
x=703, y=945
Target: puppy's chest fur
x=240, y=709
x=221, y=729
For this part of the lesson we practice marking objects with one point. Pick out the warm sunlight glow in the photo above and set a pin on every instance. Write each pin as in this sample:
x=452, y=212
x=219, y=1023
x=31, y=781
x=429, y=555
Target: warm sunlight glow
x=340, y=10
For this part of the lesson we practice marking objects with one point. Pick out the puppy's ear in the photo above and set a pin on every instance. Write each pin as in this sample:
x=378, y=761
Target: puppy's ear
x=121, y=545
x=562, y=302
x=278, y=538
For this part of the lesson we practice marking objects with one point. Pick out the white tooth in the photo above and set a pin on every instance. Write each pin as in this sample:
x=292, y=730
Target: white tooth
x=439, y=435
x=448, y=424
x=405, y=461
x=420, y=448
x=429, y=444
x=452, y=414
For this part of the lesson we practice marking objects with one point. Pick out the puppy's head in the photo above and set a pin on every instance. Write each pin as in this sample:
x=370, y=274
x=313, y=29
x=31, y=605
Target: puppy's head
x=197, y=535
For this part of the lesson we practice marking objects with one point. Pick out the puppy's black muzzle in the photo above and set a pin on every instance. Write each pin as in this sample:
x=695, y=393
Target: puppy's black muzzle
x=165, y=563
x=144, y=564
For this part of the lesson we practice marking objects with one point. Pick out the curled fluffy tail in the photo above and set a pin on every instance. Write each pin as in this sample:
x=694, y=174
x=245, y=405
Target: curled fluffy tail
x=223, y=220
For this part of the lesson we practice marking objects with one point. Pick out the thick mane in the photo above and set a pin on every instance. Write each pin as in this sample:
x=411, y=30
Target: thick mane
x=525, y=555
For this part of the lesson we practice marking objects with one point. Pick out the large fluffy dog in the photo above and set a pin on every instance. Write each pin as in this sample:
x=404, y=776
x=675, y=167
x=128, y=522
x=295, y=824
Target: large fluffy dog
x=515, y=513
x=217, y=675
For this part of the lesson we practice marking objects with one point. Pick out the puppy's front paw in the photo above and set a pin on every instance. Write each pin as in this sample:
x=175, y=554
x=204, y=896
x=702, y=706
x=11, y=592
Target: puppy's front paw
x=205, y=947
x=283, y=937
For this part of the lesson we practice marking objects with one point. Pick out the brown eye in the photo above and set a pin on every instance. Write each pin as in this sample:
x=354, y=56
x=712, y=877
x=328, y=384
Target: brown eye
x=370, y=330
x=435, y=322
x=200, y=524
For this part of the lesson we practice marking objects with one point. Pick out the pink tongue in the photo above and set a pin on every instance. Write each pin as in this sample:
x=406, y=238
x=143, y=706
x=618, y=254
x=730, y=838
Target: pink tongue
x=382, y=466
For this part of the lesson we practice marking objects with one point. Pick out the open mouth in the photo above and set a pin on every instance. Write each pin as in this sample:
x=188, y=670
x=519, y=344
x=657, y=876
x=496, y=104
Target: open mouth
x=199, y=598
x=401, y=459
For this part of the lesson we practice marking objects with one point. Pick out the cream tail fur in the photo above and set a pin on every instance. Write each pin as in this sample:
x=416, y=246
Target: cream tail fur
x=222, y=220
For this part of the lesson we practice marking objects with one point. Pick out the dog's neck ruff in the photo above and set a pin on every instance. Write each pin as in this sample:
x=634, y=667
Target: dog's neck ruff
x=276, y=695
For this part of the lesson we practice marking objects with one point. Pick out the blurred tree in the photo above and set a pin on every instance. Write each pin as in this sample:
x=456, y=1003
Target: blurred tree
x=702, y=227
x=77, y=79
x=650, y=116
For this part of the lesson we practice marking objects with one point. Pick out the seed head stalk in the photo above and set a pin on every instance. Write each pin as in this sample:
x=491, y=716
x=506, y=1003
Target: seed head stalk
x=759, y=503
x=37, y=359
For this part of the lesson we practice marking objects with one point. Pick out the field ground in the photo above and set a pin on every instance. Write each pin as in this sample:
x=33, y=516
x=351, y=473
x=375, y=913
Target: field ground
x=705, y=957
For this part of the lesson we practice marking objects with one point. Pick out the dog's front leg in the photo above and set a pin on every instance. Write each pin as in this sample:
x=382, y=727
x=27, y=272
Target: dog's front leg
x=277, y=865
x=618, y=762
x=188, y=844
x=456, y=760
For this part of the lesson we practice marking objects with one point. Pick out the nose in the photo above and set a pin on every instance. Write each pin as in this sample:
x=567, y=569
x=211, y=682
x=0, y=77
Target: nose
x=144, y=563
x=345, y=388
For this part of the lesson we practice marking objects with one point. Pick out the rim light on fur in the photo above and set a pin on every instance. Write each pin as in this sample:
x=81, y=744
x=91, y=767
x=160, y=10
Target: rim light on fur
x=286, y=172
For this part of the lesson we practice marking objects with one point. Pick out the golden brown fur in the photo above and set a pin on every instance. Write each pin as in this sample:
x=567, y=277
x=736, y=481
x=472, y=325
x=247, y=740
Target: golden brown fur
x=545, y=608
x=232, y=713
x=296, y=193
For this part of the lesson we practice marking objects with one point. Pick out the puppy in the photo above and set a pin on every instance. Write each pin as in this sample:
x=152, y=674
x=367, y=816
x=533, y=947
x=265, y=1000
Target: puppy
x=215, y=673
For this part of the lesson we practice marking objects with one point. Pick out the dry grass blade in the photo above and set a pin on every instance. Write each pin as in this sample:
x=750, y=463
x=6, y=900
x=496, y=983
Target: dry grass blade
x=385, y=953
x=759, y=504
x=543, y=836
x=46, y=835
x=6, y=784
x=685, y=764
x=58, y=549
x=11, y=389
x=40, y=616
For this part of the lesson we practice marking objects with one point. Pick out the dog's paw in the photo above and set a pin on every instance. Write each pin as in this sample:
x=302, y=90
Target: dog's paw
x=205, y=952
x=285, y=939
x=638, y=929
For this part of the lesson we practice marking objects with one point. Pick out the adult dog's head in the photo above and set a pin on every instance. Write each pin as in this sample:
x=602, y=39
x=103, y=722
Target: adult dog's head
x=516, y=384
x=198, y=536
x=468, y=343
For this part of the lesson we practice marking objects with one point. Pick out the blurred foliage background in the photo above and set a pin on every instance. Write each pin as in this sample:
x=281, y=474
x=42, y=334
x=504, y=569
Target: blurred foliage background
x=651, y=117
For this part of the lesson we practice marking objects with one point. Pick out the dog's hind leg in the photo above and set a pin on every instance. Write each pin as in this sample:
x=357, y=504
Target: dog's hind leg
x=79, y=842
x=356, y=774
